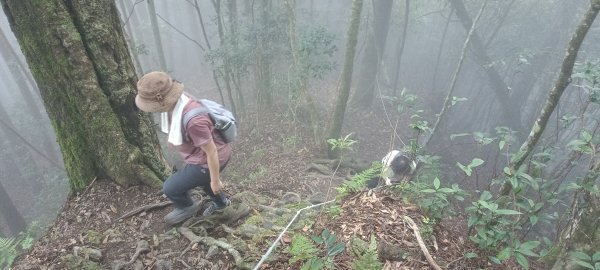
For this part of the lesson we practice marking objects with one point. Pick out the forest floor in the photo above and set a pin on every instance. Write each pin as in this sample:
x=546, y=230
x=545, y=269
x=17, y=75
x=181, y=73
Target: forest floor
x=270, y=177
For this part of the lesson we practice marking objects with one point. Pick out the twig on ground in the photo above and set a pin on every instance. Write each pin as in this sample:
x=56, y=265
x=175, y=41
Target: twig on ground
x=415, y=229
x=144, y=208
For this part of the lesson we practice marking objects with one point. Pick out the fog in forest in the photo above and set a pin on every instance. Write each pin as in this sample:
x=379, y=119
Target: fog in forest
x=500, y=81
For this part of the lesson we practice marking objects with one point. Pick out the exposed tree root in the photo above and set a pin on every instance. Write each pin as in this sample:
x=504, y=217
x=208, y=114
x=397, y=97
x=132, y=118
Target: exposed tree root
x=421, y=243
x=142, y=247
x=239, y=262
x=144, y=208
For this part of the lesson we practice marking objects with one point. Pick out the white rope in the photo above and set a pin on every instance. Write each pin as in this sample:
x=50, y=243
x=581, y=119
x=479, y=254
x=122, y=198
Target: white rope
x=264, y=257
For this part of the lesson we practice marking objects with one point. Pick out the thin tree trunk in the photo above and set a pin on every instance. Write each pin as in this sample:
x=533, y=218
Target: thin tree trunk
x=463, y=53
x=10, y=214
x=563, y=80
x=371, y=60
x=81, y=63
x=298, y=69
x=129, y=36
x=226, y=67
x=214, y=73
x=400, y=51
x=583, y=233
x=344, y=89
x=500, y=89
x=439, y=54
x=156, y=34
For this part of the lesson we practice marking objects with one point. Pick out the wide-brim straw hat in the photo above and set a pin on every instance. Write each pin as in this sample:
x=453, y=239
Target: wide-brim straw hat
x=157, y=92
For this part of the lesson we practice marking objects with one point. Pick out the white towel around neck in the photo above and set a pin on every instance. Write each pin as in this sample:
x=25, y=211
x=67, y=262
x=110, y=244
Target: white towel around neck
x=174, y=130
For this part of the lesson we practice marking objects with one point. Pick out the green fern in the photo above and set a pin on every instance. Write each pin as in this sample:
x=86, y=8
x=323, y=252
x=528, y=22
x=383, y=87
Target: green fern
x=302, y=249
x=8, y=251
x=359, y=180
x=369, y=259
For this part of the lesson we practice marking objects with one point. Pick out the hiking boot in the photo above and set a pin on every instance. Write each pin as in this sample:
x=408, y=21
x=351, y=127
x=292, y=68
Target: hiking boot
x=213, y=207
x=180, y=214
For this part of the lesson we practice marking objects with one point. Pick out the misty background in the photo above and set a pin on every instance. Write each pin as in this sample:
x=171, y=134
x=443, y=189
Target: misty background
x=521, y=42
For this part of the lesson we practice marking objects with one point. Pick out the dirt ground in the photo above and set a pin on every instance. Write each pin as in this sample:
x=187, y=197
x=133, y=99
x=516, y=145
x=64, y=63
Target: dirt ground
x=272, y=161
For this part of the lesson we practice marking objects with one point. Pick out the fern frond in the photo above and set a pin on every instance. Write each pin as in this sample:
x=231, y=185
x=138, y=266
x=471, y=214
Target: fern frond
x=359, y=180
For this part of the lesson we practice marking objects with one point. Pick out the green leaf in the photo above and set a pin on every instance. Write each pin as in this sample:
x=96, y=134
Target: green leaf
x=533, y=220
x=585, y=264
x=471, y=255
x=501, y=144
x=526, y=248
x=507, y=171
x=504, y=254
x=522, y=260
x=529, y=245
x=465, y=169
x=458, y=135
x=596, y=257
x=581, y=256
x=507, y=212
x=436, y=183
x=336, y=249
x=446, y=190
x=486, y=195
x=494, y=260
x=476, y=162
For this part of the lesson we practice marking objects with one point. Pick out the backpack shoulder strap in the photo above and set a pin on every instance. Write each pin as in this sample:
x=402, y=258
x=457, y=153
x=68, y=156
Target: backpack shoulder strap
x=187, y=117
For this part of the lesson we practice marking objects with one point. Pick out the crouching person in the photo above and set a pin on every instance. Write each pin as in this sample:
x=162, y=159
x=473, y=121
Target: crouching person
x=202, y=147
x=396, y=167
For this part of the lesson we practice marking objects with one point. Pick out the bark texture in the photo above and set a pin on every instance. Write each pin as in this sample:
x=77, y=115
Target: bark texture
x=563, y=80
x=371, y=60
x=344, y=89
x=79, y=58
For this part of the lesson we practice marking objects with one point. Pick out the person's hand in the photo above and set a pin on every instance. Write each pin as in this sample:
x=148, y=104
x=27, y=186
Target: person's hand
x=216, y=186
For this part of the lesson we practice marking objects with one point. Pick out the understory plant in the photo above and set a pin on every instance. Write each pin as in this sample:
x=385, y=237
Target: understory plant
x=316, y=253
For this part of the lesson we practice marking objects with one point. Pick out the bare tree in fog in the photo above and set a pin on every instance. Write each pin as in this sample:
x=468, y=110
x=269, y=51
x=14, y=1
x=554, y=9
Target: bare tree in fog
x=129, y=36
x=156, y=34
x=9, y=214
x=346, y=78
x=375, y=48
x=500, y=89
x=446, y=105
x=78, y=55
x=401, y=43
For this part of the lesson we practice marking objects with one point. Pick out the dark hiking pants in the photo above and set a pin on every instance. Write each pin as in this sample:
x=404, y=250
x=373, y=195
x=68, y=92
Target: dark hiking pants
x=190, y=176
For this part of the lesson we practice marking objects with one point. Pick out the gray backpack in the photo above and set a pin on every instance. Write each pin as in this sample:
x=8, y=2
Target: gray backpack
x=222, y=118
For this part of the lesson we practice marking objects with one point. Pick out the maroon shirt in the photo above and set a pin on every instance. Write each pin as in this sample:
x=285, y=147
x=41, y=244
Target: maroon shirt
x=200, y=130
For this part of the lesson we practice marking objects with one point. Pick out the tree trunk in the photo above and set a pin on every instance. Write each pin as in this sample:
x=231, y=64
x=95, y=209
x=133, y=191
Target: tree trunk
x=439, y=54
x=344, y=89
x=226, y=67
x=500, y=89
x=446, y=104
x=10, y=214
x=563, y=80
x=299, y=71
x=583, y=233
x=130, y=37
x=401, y=41
x=156, y=34
x=214, y=73
x=371, y=60
x=79, y=58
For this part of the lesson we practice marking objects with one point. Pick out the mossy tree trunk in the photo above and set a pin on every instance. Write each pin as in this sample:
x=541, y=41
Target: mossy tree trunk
x=78, y=55
x=346, y=79
x=563, y=80
x=583, y=233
